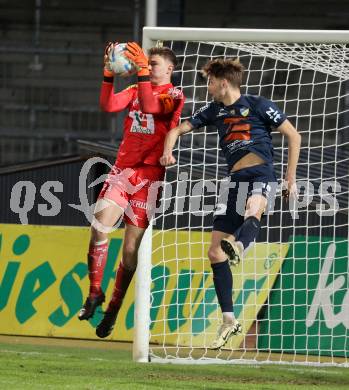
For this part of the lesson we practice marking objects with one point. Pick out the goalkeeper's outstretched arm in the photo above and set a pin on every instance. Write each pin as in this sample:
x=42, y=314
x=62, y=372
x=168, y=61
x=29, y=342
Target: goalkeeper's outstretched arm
x=170, y=141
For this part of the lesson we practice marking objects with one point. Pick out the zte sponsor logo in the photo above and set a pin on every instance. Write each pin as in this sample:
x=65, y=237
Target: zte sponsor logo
x=273, y=114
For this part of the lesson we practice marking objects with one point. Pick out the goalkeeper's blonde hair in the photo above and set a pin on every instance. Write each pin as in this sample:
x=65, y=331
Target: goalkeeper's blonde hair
x=164, y=52
x=229, y=69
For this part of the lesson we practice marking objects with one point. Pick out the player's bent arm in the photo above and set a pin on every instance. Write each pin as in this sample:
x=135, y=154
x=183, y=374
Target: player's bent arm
x=108, y=101
x=176, y=114
x=294, y=144
x=170, y=141
x=153, y=104
x=114, y=102
x=148, y=102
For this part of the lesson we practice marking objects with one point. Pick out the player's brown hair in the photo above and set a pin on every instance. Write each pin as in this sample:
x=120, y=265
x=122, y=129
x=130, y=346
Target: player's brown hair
x=230, y=69
x=164, y=52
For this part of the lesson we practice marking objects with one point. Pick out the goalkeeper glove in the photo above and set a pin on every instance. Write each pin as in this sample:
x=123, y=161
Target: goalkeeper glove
x=135, y=53
x=107, y=72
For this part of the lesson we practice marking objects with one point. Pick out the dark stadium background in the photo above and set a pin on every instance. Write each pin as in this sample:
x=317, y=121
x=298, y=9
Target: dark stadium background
x=50, y=74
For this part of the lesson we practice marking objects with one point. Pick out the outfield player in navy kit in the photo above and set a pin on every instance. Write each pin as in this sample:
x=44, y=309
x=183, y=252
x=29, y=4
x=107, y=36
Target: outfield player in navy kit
x=244, y=124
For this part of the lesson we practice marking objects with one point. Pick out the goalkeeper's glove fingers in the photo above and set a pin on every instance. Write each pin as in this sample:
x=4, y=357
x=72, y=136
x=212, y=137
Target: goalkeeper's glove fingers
x=106, y=59
x=135, y=53
x=109, y=46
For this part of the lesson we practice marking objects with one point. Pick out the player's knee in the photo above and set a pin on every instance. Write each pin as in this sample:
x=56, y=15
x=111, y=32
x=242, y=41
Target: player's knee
x=255, y=207
x=130, y=250
x=97, y=235
x=214, y=254
x=129, y=256
x=99, y=227
x=253, y=212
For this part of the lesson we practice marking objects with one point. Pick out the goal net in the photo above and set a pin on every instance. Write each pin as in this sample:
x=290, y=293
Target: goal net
x=291, y=291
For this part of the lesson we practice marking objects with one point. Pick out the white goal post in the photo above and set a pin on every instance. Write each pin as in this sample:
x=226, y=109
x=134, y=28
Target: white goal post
x=292, y=291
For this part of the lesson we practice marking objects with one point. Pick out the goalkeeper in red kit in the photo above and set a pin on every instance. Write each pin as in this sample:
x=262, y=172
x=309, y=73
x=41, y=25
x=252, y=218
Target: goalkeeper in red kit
x=154, y=106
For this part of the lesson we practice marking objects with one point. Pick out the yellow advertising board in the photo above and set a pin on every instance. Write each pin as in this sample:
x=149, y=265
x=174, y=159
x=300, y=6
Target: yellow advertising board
x=186, y=310
x=44, y=281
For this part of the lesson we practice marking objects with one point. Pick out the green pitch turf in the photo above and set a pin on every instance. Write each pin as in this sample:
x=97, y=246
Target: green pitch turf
x=32, y=366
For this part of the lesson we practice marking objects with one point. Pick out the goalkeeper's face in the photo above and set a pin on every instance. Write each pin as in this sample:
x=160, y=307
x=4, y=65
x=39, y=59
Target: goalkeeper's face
x=160, y=69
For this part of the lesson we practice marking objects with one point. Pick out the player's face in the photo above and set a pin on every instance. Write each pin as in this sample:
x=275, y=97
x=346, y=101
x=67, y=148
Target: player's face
x=216, y=88
x=160, y=70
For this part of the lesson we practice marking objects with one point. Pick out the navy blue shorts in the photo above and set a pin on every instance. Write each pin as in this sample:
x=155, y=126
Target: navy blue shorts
x=244, y=183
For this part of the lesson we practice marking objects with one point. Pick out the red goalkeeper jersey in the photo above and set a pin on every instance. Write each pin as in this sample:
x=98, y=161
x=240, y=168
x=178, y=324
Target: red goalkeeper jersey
x=148, y=121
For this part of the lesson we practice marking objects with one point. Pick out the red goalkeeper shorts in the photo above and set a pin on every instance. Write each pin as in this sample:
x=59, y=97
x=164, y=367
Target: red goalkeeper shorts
x=135, y=190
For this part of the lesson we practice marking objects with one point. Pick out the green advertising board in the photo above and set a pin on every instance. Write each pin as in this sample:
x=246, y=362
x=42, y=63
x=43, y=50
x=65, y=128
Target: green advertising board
x=308, y=308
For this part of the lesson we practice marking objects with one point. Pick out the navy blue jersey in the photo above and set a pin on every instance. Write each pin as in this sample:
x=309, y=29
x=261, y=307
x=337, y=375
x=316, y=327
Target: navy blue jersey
x=243, y=127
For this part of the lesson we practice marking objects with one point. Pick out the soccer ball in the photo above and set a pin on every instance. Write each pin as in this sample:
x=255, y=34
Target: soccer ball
x=119, y=63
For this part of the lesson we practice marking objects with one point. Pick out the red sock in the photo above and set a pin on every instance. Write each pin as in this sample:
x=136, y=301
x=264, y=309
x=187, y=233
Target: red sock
x=97, y=258
x=122, y=281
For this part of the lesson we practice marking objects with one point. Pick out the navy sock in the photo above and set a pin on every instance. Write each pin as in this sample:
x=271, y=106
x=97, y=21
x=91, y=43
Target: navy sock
x=223, y=284
x=248, y=231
